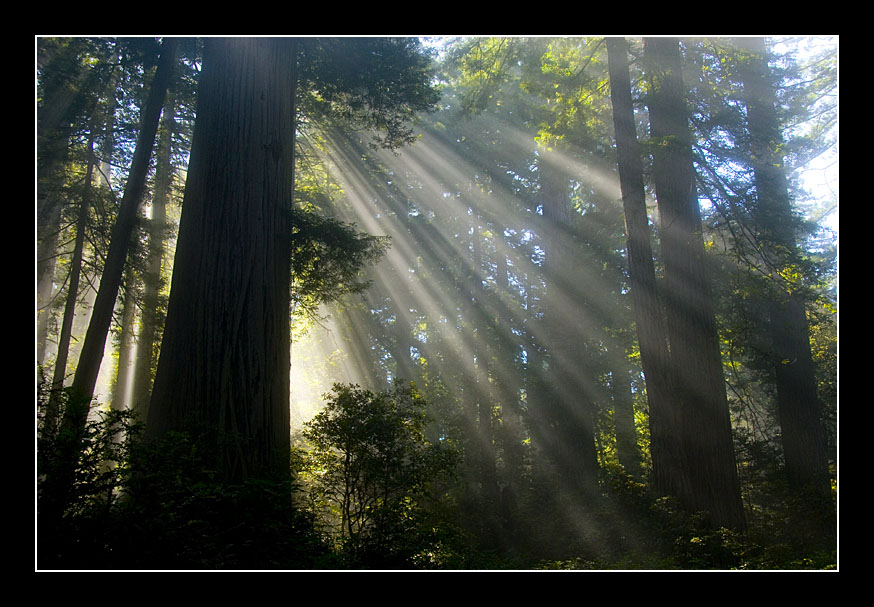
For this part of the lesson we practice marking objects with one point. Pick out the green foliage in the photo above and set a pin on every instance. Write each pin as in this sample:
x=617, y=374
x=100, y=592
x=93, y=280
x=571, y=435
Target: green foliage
x=326, y=260
x=371, y=84
x=481, y=67
x=167, y=508
x=367, y=491
x=670, y=538
x=368, y=466
x=103, y=459
x=137, y=505
x=182, y=514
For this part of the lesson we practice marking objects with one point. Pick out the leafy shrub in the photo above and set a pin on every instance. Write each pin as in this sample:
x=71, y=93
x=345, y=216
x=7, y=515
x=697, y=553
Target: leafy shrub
x=368, y=466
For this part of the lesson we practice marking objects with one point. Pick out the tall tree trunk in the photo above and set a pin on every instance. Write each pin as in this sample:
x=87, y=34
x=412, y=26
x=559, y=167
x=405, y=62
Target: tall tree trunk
x=91, y=355
x=507, y=385
x=81, y=391
x=571, y=402
x=648, y=317
x=48, y=214
x=692, y=334
x=798, y=406
x=68, y=90
x=480, y=448
x=152, y=315
x=61, y=71
x=60, y=372
x=627, y=450
x=223, y=373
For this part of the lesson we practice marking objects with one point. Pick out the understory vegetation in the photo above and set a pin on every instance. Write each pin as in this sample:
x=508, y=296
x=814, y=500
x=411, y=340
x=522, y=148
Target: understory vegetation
x=140, y=506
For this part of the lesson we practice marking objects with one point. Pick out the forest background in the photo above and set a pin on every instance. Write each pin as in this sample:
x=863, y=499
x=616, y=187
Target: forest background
x=546, y=303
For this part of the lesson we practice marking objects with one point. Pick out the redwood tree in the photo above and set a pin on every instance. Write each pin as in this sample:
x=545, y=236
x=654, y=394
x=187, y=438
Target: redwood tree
x=223, y=374
x=711, y=481
x=798, y=405
x=648, y=318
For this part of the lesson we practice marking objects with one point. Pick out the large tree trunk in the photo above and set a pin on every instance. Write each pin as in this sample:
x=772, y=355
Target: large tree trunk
x=223, y=373
x=696, y=360
x=648, y=318
x=798, y=406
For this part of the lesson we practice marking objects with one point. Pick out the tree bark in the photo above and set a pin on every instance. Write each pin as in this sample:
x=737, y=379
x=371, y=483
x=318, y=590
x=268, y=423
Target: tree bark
x=798, y=405
x=152, y=317
x=696, y=361
x=223, y=373
x=648, y=317
x=121, y=392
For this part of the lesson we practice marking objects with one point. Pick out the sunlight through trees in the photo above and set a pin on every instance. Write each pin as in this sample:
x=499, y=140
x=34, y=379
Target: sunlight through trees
x=445, y=303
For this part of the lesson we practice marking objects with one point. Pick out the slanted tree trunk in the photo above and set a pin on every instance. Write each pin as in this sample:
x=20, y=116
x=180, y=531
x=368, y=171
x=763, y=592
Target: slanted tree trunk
x=81, y=391
x=648, y=317
x=223, y=372
x=699, y=387
x=152, y=316
x=91, y=355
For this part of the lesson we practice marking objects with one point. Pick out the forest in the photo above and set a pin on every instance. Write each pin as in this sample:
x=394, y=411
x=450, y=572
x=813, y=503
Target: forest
x=442, y=303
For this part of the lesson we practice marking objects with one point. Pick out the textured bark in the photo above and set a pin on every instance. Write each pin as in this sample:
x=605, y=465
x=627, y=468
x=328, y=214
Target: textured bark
x=223, y=373
x=648, y=317
x=799, y=411
x=699, y=387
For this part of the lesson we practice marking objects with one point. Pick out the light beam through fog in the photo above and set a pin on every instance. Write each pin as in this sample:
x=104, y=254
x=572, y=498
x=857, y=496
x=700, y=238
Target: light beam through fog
x=436, y=204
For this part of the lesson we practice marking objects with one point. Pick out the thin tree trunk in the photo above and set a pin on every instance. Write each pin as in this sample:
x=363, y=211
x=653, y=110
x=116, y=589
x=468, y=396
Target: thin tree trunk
x=121, y=389
x=152, y=316
x=101, y=317
x=627, y=450
x=570, y=410
x=60, y=373
x=91, y=355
